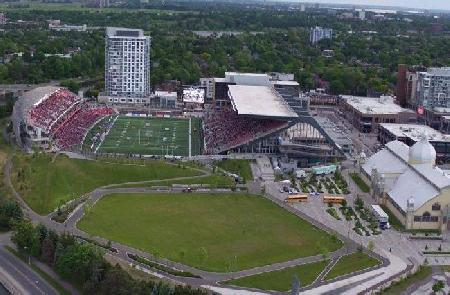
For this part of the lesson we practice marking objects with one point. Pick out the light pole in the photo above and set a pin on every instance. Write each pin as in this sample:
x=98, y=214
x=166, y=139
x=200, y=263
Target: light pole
x=29, y=258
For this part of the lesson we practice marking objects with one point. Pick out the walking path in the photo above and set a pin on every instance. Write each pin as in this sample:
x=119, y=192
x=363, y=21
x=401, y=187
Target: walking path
x=351, y=283
x=359, y=283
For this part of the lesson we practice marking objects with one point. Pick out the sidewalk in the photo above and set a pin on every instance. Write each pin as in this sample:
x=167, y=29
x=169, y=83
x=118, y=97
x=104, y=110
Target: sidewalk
x=359, y=283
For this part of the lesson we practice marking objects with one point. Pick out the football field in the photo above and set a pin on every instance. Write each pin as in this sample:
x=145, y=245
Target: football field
x=153, y=136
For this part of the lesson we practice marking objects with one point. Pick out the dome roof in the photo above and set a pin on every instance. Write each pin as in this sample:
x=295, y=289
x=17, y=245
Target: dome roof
x=422, y=152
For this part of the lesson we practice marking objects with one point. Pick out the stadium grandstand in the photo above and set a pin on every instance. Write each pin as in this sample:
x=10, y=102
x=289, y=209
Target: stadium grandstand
x=53, y=118
x=251, y=123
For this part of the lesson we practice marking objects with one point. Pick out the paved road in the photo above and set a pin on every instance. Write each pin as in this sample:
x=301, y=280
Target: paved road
x=208, y=278
x=19, y=276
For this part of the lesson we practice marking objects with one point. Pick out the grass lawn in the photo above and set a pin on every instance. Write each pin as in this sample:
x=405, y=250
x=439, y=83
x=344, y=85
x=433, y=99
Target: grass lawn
x=399, y=287
x=351, y=263
x=360, y=182
x=239, y=167
x=46, y=183
x=226, y=232
x=214, y=180
x=281, y=280
x=150, y=136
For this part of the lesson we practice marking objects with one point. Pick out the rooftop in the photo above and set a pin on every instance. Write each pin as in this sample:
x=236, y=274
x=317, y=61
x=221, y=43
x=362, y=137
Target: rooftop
x=445, y=71
x=124, y=32
x=31, y=98
x=441, y=110
x=287, y=83
x=415, y=131
x=259, y=101
x=422, y=182
x=374, y=105
x=339, y=137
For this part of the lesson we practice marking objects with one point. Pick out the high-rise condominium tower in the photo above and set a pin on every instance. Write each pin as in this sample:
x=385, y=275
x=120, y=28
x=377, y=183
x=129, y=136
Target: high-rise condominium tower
x=127, y=65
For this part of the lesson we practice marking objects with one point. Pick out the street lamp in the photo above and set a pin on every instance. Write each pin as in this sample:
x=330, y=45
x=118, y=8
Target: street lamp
x=29, y=257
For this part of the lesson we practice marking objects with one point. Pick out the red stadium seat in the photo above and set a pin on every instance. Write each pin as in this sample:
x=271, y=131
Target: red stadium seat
x=225, y=129
x=66, y=118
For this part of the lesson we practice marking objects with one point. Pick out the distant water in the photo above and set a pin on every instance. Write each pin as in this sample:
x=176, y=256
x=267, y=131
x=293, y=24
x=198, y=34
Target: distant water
x=3, y=290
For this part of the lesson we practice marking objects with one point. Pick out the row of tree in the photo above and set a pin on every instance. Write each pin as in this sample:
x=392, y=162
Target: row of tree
x=10, y=214
x=361, y=63
x=82, y=263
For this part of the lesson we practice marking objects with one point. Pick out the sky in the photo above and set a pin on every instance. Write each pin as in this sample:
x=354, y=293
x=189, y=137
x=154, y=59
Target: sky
x=426, y=4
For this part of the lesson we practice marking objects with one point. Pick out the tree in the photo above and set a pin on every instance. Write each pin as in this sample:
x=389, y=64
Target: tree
x=48, y=250
x=438, y=286
x=371, y=246
x=25, y=238
x=76, y=262
x=116, y=281
x=359, y=203
x=71, y=85
x=10, y=212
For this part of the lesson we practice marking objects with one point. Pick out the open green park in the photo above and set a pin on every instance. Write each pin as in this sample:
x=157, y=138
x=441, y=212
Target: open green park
x=213, y=232
x=47, y=181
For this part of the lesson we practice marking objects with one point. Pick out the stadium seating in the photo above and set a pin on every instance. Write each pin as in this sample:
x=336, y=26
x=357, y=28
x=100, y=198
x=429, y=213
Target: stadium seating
x=49, y=111
x=226, y=129
x=66, y=118
x=72, y=130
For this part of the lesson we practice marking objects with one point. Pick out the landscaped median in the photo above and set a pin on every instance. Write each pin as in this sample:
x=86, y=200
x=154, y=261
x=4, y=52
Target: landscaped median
x=360, y=182
x=213, y=232
x=400, y=286
x=281, y=280
x=160, y=267
x=348, y=264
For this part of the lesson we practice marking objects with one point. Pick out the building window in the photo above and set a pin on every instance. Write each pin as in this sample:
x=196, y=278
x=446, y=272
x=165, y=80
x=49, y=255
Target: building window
x=436, y=207
x=426, y=217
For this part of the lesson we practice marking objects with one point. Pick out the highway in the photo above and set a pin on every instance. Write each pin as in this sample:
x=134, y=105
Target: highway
x=18, y=276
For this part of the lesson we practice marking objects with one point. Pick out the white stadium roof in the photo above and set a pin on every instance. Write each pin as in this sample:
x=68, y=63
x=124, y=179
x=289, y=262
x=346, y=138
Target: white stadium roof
x=32, y=98
x=261, y=101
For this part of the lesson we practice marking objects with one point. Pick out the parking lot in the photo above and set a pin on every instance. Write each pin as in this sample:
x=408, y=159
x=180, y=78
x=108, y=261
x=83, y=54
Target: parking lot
x=389, y=240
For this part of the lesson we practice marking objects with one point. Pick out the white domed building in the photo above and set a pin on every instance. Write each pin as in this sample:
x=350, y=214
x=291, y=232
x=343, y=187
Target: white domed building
x=414, y=189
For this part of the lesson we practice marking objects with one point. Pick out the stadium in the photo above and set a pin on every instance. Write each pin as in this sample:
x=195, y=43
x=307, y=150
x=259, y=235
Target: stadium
x=54, y=119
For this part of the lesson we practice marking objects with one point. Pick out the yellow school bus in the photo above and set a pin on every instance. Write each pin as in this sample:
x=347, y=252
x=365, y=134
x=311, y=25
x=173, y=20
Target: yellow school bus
x=333, y=199
x=296, y=198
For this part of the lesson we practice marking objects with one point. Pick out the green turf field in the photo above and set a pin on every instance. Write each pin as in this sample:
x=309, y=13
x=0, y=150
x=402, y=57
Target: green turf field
x=281, y=280
x=45, y=183
x=226, y=232
x=151, y=136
